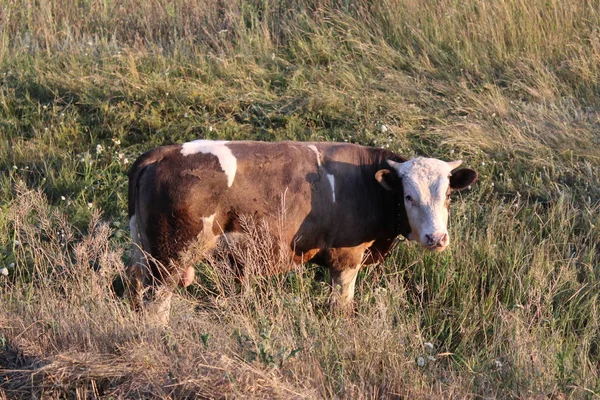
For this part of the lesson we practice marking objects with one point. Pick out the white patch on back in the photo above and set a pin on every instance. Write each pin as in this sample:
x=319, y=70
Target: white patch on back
x=314, y=148
x=332, y=184
x=218, y=148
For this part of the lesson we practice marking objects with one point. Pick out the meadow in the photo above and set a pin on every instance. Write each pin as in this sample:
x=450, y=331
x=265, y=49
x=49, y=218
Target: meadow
x=511, y=87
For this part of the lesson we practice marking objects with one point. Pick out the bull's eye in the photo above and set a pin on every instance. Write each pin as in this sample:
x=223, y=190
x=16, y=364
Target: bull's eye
x=408, y=198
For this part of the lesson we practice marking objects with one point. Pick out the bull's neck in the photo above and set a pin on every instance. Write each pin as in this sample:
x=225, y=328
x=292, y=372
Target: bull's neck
x=401, y=225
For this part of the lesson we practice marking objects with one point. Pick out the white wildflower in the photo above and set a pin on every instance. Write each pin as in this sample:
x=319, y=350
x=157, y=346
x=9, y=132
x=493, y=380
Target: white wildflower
x=16, y=243
x=15, y=167
x=498, y=363
x=4, y=271
x=429, y=346
x=420, y=361
x=99, y=149
x=63, y=198
x=125, y=161
x=380, y=290
x=116, y=142
x=210, y=128
x=383, y=128
x=90, y=205
x=11, y=265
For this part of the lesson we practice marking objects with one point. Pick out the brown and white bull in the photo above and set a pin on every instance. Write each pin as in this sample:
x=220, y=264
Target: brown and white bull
x=345, y=204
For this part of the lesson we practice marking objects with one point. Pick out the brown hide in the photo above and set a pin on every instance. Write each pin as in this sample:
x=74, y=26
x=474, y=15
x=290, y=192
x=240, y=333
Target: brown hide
x=171, y=195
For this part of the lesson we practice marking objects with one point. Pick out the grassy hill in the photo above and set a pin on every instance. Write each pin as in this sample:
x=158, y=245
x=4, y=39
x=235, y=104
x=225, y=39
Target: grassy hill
x=510, y=87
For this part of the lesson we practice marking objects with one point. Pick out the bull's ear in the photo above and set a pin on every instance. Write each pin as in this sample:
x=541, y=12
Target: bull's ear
x=462, y=178
x=454, y=164
x=389, y=179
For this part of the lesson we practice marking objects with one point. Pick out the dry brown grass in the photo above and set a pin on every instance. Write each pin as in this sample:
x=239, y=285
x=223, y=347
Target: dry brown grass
x=65, y=333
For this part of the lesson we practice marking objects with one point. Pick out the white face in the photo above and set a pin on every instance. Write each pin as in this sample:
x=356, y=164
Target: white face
x=426, y=187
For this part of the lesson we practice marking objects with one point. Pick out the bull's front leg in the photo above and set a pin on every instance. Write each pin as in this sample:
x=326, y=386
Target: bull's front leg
x=343, y=288
x=344, y=265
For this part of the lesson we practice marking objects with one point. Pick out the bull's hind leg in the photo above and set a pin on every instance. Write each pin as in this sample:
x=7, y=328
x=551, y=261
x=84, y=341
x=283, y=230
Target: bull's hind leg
x=137, y=273
x=146, y=297
x=148, y=281
x=135, y=281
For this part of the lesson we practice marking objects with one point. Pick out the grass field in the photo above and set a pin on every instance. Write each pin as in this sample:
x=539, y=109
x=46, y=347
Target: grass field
x=512, y=87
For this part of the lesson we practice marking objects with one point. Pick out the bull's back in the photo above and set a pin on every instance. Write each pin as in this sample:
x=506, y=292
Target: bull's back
x=179, y=191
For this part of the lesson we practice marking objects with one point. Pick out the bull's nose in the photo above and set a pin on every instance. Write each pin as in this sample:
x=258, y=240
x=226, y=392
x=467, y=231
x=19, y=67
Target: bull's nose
x=436, y=240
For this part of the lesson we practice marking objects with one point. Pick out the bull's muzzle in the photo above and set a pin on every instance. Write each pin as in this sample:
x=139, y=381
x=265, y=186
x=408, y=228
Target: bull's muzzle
x=437, y=241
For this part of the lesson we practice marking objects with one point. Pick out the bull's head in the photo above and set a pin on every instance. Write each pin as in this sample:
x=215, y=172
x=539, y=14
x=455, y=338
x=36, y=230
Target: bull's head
x=426, y=184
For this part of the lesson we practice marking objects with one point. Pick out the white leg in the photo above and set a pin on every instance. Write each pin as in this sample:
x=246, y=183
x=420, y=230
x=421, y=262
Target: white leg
x=343, y=287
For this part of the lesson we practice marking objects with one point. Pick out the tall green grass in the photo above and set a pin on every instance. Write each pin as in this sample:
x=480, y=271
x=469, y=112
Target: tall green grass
x=510, y=87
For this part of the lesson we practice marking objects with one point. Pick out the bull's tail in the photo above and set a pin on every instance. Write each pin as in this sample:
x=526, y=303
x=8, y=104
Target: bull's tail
x=146, y=275
x=139, y=269
x=135, y=173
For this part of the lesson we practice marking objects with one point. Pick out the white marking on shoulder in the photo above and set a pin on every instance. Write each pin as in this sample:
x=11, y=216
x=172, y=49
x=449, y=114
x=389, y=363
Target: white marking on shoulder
x=314, y=148
x=332, y=183
x=218, y=148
